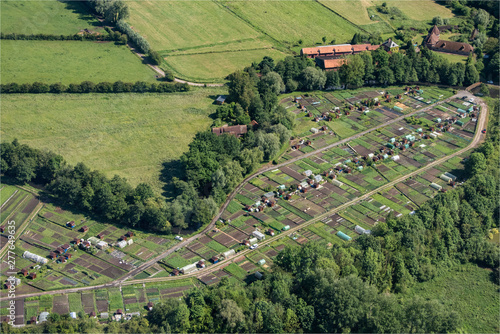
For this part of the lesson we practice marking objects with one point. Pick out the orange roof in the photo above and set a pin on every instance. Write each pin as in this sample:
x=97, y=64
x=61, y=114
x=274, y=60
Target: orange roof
x=326, y=49
x=364, y=47
x=334, y=63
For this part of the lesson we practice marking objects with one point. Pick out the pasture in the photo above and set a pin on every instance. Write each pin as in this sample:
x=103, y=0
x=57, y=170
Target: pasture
x=167, y=27
x=45, y=17
x=290, y=21
x=126, y=134
x=422, y=10
x=70, y=62
x=215, y=66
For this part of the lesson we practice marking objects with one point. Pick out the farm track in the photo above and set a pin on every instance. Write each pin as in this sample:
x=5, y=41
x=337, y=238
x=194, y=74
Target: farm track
x=478, y=138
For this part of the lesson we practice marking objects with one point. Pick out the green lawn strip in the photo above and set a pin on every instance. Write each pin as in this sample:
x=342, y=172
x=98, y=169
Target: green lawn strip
x=234, y=207
x=352, y=184
x=243, y=199
x=115, y=299
x=176, y=261
x=389, y=203
x=46, y=303
x=75, y=302
x=217, y=246
x=236, y=271
x=6, y=193
x=294, y=210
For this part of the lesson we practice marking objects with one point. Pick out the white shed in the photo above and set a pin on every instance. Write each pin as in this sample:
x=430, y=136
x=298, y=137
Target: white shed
x=436, y=186
x=102, y=245
x=308, y=172
x=35, y=258
x=318, y=178
x=258, y=235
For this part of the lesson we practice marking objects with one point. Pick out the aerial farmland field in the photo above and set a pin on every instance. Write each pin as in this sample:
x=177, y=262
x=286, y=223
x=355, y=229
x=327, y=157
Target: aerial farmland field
x=126, y=134
x=70, y=62
x=45, y=17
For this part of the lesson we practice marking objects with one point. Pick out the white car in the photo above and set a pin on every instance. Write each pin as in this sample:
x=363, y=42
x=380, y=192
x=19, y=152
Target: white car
x=490, y=82
x=178, y=237
x=254, y=246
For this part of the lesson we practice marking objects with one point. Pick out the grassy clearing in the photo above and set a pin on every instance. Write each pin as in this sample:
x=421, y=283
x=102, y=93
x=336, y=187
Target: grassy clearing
x=126, y=134
x=166, y=25
x=241, y=45
x=469, y=291
x=70, y=62
x=6, y=192
x=45, y=17
x=453, y=58
x=421, y=10
x=289, y=21
x=215, y=66
x=353, y=10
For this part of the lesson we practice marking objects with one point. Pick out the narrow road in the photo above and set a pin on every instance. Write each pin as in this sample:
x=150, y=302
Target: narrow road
x=478, y=138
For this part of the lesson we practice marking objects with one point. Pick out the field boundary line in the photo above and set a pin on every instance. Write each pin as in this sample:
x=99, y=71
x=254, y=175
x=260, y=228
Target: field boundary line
x=14, y=210
x=8, y=199
x=345, y=19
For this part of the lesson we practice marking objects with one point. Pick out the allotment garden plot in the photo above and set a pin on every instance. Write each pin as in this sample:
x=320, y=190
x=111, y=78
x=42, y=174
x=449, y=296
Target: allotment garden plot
x=325, y=118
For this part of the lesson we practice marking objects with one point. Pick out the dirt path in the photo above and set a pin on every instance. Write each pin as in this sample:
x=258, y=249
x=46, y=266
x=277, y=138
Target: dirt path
x=162, y=73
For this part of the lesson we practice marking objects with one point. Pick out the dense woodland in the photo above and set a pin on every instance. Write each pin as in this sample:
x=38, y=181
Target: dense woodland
x=355, y=287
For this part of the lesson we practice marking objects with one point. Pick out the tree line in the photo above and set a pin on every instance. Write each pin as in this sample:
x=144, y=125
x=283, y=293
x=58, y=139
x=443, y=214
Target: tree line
x=86, y=87
x=111, y=36
x=88, y=190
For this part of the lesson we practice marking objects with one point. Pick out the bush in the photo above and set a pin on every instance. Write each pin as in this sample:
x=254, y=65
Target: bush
x=155, y=57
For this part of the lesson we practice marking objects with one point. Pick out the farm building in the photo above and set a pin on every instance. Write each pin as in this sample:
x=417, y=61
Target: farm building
x=229, y=253
x=271, y=232
x=34, y=258
x=344, y=236
x=433, y=42
x=235, y=130
x=215, y=259
x=189, y=268
x=258, y=235
x=436, y=186
x=201, y=264
x=84, y=229
x=24, y=272
x=150, y=306
x=71, y=224
x=92, y=314
x=221, y=99
x=130, y=234
x=336, y=50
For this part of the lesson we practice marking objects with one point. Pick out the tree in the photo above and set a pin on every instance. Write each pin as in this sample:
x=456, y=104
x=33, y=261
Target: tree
x=481, y=17
x=250, y=159
x=241, y=89
x=273, y=82
x=155, y=57
x=484, y=90
x=471, y=74
x=118, y=10
x=437, y=20
x=203, y=211
x=312, y=78
x=231, y=314
x=268, y=143
x=352, y=73
x=476, y=164
x=386, y=76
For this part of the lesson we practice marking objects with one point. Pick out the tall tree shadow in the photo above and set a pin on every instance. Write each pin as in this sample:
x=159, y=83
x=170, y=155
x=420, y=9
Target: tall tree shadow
x=171, y=169
x=84, y=13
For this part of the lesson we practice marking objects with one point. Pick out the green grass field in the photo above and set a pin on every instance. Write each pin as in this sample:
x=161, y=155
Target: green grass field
x=45, y=17
x=215, y=66
x=469, y=291
x=453, y=58
x=353, y=10
x=289, y=21
x=421, y=10
x=167, y=27
x=70, y=62
x=126, y=134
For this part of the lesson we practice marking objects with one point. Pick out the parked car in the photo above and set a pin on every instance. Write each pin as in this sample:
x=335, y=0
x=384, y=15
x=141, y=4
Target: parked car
x=178, y=237
x=484, y=131
x=254, y=246
x=490, y=82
